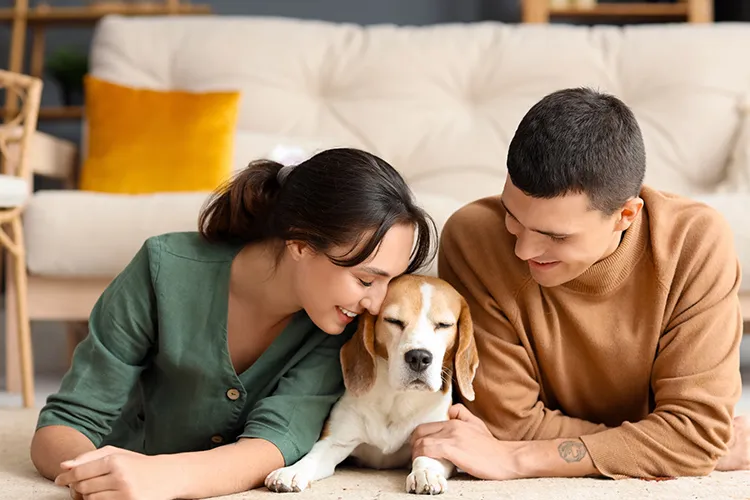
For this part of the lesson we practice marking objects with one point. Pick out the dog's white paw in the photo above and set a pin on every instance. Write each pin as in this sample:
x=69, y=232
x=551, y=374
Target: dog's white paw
x=291, y=479
x=426, y=482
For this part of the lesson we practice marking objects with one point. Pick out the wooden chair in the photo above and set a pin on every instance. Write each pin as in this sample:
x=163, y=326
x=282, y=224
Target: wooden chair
x=15, y=189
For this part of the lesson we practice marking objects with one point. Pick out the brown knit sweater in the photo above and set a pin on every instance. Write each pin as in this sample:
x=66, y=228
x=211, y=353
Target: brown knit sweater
x=638, y=357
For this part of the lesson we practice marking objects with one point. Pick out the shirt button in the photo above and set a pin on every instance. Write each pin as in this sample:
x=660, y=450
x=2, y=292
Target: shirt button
x=217, y=439
x=233, y=394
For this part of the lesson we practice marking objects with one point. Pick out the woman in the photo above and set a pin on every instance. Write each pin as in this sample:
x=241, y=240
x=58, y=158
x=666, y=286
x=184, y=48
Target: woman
x=213, y=358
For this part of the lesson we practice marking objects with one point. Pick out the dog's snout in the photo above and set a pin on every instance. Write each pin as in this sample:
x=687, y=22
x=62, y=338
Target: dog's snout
x=418, y=359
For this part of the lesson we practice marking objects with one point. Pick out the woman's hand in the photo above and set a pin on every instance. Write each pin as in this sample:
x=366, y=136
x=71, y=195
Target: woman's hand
x=112, y=473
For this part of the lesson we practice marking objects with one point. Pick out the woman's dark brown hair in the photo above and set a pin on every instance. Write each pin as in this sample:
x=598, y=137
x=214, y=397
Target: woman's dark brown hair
x=338, y=197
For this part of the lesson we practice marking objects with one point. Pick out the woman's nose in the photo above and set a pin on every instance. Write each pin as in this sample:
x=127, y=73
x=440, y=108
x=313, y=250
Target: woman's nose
x=374, y=300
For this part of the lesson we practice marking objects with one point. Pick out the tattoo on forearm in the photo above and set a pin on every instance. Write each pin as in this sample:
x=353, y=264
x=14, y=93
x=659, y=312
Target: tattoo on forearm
x=572, y=451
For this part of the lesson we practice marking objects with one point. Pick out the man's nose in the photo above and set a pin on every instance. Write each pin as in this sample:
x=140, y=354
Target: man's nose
x=528, y=246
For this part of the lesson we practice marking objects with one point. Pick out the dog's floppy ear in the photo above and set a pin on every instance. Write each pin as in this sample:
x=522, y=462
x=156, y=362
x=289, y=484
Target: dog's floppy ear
x=467, y=358
x=358, y=357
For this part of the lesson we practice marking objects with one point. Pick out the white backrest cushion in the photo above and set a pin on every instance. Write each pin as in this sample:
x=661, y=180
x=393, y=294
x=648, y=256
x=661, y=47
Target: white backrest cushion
x=441, y=103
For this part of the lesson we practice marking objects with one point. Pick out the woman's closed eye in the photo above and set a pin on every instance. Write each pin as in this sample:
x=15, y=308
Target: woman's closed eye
x=365, y=283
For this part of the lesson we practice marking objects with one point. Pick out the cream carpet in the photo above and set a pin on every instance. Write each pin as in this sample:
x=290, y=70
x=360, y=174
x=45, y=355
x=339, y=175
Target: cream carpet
x=19, y=480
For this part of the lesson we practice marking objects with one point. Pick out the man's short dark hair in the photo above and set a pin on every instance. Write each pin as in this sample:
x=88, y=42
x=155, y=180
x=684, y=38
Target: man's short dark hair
x=579, y=141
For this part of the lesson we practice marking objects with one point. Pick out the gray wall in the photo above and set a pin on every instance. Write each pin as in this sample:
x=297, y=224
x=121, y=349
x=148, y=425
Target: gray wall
x=401, y=12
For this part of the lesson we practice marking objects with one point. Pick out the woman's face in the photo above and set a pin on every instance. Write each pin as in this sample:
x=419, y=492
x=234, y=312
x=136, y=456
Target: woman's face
x=334, y=295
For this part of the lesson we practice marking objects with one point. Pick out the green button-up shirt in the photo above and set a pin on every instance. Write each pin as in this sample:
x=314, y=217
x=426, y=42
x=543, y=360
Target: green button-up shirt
x=154, y=374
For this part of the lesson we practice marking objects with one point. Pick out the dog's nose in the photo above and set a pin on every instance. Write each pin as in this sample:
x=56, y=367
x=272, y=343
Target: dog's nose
x=418, y=359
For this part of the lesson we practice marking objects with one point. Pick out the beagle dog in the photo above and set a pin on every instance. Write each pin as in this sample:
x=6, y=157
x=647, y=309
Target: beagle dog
x=398, y=370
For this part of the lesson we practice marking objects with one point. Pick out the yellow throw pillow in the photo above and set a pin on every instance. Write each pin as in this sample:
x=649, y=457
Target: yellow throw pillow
x=148, y=141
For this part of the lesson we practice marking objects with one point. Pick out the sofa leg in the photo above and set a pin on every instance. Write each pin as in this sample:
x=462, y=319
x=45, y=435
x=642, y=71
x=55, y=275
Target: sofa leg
x=12, y=361
x=19, y=354
x=23, y=331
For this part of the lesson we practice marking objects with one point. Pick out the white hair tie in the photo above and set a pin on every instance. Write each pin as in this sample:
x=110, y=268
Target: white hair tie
x=283, y=173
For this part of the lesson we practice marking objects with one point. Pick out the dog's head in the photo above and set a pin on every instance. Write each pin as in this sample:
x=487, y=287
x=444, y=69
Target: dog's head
x=423, y=331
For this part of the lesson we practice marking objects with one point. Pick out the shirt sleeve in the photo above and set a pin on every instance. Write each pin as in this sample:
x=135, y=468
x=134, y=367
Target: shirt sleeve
x=507, y=393
x=107, y=363
x=695, y=378
x=292, y=417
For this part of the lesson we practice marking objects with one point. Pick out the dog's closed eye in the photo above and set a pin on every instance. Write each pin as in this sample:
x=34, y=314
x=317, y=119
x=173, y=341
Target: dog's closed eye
x=395, y=321
x=443, y=325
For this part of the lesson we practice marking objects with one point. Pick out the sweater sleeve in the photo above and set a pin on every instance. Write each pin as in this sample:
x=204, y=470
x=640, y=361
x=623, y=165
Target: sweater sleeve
x=107, y=363
x=695, y=378
x=507, y=390
x=292, y=416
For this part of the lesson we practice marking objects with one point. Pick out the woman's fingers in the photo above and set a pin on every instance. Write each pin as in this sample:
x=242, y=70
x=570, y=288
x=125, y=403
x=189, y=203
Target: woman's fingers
x=83, y=472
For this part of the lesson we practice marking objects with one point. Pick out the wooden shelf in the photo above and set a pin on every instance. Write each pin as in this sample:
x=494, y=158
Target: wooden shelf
x=53, y=113
x=641, y=9
x=61, y=112
x=691, y=11
x=68, y=15
x=42, y=17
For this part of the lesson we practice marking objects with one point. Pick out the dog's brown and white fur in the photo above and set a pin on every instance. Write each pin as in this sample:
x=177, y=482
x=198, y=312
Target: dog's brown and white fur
x=397, y=371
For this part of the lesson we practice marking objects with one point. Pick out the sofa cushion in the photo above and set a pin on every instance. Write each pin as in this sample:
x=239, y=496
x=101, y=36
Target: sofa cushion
x=88, y=234
x=146, y=141
x=13, y=191
x=76, y=233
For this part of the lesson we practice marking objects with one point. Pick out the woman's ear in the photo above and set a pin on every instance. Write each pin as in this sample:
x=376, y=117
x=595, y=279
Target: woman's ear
x=358, y=357
x=297, y=249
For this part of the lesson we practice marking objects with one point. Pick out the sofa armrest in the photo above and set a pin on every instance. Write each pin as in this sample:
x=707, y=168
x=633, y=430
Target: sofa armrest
x=54, y=157
x=49, y=156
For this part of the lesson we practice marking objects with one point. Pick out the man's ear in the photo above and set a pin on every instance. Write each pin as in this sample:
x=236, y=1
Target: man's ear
x=628, y=213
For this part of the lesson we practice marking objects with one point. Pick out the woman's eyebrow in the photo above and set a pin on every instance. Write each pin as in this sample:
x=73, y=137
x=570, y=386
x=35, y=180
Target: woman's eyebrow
x=375, y=271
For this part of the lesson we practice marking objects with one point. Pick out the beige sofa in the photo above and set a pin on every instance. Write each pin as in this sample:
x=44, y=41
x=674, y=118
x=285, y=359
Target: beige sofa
x=441, y=103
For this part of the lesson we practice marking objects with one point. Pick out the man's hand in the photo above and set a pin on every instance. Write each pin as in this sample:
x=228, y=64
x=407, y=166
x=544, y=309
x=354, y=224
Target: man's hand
x=738, y=457
x=466, y=441
x=112, y=473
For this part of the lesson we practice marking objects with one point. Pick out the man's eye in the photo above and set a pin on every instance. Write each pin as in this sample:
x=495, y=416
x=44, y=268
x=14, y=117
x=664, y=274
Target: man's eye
x=559, y=238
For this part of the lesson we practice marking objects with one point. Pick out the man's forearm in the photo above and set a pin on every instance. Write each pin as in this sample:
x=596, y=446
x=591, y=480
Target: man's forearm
x=554, y=458
x=229, y=469
x=554, y=424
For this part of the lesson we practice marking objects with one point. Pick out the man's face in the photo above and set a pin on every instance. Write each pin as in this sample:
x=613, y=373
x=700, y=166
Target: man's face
x=560, y=238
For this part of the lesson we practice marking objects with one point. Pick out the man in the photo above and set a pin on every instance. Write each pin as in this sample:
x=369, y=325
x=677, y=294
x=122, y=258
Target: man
x=606, y=313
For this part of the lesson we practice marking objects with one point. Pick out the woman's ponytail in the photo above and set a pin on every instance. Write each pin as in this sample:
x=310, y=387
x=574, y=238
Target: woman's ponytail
x=341, y=197
x=240, y=210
